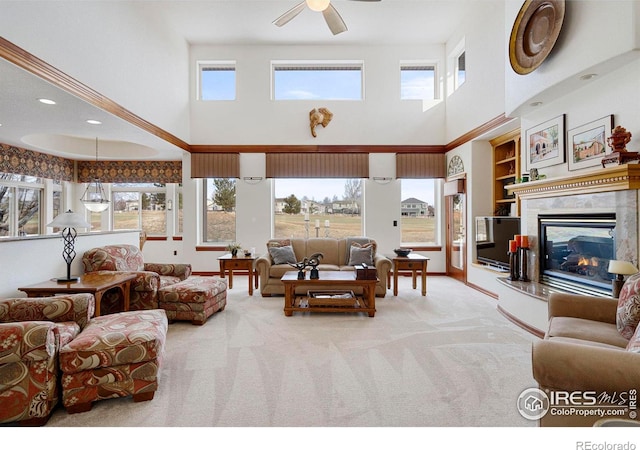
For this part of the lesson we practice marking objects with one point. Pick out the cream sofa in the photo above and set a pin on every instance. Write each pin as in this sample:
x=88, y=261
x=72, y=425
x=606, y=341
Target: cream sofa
x=335, y=257
x=584, y=350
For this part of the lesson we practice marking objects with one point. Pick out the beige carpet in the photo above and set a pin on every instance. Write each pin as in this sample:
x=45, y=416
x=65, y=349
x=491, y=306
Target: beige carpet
x=447, y=359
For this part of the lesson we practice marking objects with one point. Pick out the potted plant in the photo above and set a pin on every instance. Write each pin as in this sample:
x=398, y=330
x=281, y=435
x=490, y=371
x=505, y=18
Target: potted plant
x=233, y=247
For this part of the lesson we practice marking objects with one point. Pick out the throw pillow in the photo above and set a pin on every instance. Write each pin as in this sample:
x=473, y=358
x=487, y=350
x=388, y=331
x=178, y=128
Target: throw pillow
x=634, y=342
x=361, y=243
x=628, y=314
x=361, y=255
x=282, y=255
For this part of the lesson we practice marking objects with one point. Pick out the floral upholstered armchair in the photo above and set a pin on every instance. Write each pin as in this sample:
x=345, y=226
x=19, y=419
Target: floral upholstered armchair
x=150, y=276
x=32, y=331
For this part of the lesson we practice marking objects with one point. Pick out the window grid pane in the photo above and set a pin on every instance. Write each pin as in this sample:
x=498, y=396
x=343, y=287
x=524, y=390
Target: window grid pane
x=220, y=210
x=417, y=82
x=217, y=82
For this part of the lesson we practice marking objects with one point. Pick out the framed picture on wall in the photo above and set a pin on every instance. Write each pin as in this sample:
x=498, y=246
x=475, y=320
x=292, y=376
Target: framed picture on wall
x=544, y=144
x=588, y=143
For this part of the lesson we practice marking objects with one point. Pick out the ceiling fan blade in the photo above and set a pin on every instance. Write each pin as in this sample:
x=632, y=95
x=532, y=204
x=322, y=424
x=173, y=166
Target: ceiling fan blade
x=334, y=21
x=286, y=17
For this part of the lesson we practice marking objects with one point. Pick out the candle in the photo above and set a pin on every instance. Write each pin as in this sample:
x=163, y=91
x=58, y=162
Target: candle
x=306, y=217
x=525, y=241
x=326, y=224
x=317, y=223
x=518, y=239
x=512, y=246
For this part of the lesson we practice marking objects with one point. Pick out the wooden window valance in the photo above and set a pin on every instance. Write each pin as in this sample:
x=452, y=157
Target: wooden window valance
x=420, y=165
x=215, y=165
x=130, y=171
x=317, y=165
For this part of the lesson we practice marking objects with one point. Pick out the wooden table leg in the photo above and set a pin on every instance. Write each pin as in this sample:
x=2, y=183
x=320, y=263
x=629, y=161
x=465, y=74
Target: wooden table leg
x=250, y=281
x=98, y=297
x=289, y=299
x=424, y=279
x=414, y=277
x=126, y=294
x=395, y=281
x=371, y=299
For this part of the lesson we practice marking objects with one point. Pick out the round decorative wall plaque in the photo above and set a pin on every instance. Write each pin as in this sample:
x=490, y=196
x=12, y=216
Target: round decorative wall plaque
x=534, y=33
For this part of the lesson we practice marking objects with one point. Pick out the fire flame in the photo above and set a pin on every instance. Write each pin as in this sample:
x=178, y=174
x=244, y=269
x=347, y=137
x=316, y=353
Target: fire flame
x=593, y=261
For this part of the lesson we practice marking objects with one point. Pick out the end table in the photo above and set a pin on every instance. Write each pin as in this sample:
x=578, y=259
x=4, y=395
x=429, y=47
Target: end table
x=229, y=262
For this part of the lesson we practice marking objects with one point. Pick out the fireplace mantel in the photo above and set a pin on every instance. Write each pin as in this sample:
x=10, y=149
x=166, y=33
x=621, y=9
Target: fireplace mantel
x=616, y=178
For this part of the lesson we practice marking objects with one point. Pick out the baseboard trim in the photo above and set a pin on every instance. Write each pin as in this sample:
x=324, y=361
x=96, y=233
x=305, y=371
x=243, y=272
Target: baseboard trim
x=533, y=330
x=483, y=290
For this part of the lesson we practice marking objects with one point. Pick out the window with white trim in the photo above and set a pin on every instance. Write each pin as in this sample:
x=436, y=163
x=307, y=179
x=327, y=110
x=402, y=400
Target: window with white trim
x=20, y=205
x=419, y=210
x=140, y=206
x=216, y=80
x=417, y=81
x=461, y=71
x=321, y=80
x=219, y=196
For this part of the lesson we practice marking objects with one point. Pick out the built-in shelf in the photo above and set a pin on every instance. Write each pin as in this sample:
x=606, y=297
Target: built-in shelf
x=615, y=178
x=506, y=169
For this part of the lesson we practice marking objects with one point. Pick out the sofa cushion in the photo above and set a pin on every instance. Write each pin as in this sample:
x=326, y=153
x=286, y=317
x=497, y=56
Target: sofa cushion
x=628, y=315
x=569, y=340
x=634, y=342
x=360, y=255
x=282, y=255
x=586, y=330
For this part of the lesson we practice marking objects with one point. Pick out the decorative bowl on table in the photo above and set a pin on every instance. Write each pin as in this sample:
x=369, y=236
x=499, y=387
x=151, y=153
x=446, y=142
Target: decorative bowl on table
x=402, y=251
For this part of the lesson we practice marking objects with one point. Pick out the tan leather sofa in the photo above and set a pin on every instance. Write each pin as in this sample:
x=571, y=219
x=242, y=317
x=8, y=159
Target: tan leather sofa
x=583, y=351
x=335, y=257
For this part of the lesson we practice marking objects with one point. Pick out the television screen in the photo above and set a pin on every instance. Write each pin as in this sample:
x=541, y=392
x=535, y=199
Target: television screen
x=492, y=239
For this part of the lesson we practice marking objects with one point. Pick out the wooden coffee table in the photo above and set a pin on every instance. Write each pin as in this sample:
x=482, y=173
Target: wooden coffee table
x=96, y=283
x=330, y=281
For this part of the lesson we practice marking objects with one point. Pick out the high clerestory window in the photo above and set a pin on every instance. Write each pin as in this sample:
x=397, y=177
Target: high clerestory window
x=216, y=80
x=417, y=81
x=330, y=80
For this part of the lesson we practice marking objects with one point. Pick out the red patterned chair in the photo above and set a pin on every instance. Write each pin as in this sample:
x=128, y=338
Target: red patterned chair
x=129, y=258
x=117, y=355
x=32, y=330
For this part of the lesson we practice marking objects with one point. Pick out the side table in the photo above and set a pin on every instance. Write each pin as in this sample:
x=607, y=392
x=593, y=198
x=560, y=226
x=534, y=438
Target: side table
x=96, y=283
x=229, y=262
x=413, y=262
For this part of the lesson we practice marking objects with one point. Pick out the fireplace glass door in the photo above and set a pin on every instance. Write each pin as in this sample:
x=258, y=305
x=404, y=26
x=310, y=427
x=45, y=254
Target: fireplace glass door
x=576, y=249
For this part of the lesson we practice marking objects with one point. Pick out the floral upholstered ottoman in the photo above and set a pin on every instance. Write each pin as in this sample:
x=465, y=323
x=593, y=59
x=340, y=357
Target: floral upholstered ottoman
x=116, y=355
x=194, y=299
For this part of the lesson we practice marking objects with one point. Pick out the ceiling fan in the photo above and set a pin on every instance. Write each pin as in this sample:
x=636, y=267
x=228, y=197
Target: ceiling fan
x=331, y=16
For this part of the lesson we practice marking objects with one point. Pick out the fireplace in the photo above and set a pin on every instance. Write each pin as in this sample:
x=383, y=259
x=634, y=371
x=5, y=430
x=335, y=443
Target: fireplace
x=575, y=251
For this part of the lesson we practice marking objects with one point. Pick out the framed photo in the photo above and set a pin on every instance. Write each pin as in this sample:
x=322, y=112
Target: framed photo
x=544, y=144
x=588, y=143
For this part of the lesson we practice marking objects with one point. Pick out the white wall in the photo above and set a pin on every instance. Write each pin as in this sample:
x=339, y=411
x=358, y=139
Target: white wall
x=33, y=260
x=253, y=118
x=119, y=49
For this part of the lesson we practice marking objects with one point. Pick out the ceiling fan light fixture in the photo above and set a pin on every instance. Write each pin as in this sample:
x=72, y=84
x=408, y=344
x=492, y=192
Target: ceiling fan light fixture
x=318, y=5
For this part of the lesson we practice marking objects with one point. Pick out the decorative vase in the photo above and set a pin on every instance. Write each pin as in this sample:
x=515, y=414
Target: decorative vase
x=234, y=252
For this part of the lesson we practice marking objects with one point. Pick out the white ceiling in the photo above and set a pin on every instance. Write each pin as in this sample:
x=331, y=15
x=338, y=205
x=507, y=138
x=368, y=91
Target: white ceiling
x=27, y=123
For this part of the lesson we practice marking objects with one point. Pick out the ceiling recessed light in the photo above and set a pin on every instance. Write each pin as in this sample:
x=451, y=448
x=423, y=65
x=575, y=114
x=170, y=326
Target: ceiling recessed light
x=534, y=104
x=588, y=76
x=94, y=122
x=46, y=101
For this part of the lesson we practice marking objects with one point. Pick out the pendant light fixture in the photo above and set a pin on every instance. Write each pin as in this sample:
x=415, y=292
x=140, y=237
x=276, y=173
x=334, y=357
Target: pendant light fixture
x=94, y=197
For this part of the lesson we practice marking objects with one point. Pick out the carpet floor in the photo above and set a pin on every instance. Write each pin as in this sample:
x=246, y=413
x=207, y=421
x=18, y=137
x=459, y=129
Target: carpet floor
x=447, y=359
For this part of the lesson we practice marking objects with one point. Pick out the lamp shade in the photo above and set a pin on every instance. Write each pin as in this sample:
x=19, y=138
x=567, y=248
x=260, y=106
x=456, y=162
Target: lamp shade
x=69, y=219
x=621, y=267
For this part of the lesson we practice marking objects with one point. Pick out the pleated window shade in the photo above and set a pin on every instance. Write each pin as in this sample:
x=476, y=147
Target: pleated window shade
x=420, y=165
x=215, y=165
x=317, y=165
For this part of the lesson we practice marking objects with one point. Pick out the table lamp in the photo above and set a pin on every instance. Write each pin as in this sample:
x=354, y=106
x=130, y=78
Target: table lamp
x=69, y=221
x=620, y=268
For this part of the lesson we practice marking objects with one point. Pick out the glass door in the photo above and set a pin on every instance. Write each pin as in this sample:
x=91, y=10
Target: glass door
x=456, y=237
